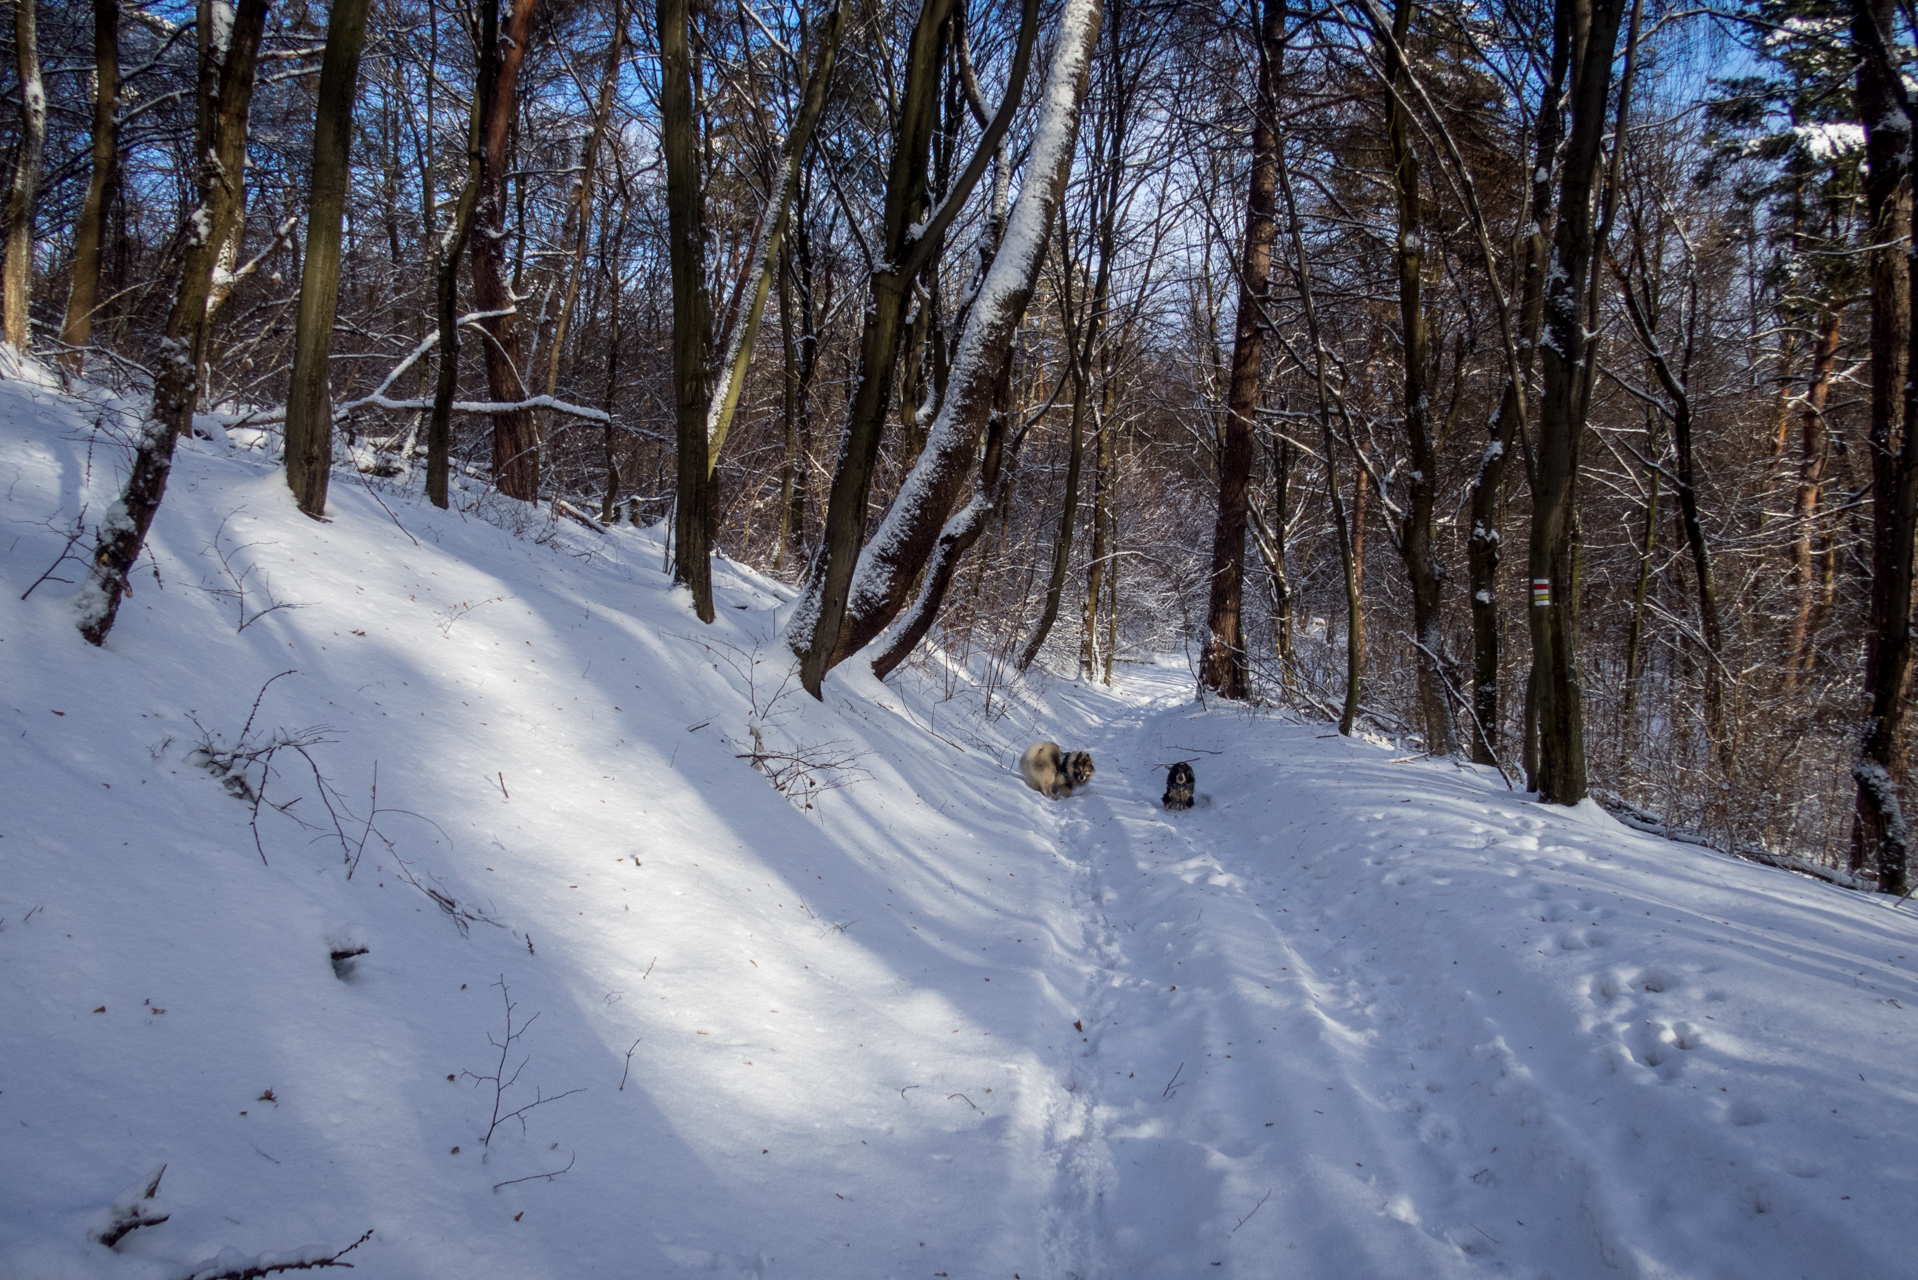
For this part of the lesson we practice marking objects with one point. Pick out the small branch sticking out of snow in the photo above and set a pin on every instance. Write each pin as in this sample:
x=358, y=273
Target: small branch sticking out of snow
x=1248, y=1217
x=231, y=1264
x=136, y=1207
x=532, y=1176
x=501, y=1081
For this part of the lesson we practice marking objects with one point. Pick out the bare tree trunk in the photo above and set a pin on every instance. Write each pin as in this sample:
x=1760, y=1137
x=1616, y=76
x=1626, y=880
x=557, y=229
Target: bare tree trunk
x=1881, y=833
x=16, y=285
x=817, y=630
x=685, y=205
x=1635, y=634
x=1485, y=549
x=1591, y=26
x=802, y=361
x=223, y=94
x=1415, y=529
x=957, y=537
x=1107, y=185
x=450, y=245
x=1100, y=553
x=581, y=214
x=1109, y=154
x=1348, y=561
x=1222, y=663
x=1811, y=479
x=773, y=223
x=1068, y=518
x=515, y=442
x=1361, y=490
x=1270, y=537
x=915, y=526
x=88, y=232
x=309, y=408
x=1674, y=378
x=789, y=414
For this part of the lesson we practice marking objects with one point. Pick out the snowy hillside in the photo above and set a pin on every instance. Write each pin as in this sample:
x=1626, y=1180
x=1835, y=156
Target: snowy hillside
x=1352, y=1016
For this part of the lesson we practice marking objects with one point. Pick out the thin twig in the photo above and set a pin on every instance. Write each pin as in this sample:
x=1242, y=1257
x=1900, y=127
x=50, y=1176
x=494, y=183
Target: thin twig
x=1248, y=1217
x=79, y=531
x=629, y=1066
x=533, y=1176
x=266, y=1267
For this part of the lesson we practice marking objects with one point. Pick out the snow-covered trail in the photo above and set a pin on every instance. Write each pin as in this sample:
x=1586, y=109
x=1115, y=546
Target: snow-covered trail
x=1330, y=1034
x=1353, y=1016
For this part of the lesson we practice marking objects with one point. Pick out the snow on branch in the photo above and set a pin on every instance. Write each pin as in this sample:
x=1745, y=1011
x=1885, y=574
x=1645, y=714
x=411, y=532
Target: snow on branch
x=378, y=399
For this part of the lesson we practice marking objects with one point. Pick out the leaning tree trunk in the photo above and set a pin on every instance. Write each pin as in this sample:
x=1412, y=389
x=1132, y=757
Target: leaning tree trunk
x=16, y=284
x=1222, y=664
x=686, y=244
x=580, y=216
x=780, y=195
x=515, y=443
x=77, y=330
x=1415, y=529
x=910, y=234
x=914, y=523
x=1881, y=833
x=225, y=91
x=1593, y=29
x=309, y=408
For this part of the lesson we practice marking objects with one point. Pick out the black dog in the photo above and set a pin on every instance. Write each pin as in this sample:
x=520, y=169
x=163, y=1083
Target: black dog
x=1178, y=786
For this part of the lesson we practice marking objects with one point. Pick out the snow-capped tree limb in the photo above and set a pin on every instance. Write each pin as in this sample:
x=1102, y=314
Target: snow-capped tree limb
x=911, y=528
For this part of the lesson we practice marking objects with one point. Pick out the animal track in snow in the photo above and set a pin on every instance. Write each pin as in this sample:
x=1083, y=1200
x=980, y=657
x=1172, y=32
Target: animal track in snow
x=1658, y=1047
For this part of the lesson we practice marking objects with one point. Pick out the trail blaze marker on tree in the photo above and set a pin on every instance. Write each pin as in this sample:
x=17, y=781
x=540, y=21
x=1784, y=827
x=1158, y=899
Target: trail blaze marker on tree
x=1541, y=593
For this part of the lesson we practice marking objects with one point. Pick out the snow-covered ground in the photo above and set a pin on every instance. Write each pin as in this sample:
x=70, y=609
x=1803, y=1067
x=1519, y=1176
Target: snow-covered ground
x=1352, y=1016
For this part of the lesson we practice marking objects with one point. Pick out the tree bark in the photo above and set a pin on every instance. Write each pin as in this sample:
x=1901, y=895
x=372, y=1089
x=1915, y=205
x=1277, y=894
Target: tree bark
x=1222, y=663
x=1881, y=833
x=309, y=409
x=83, y=298
x=1485, y=548
x=685, y=210
x=1816, y=452
x=16, y=282
x=515, y=442
x=802, y=361
x=1591, y=26
x=1635, y=634
x=451, y=244
x=1068, y=519
x=1415, y=528
x=1100, y=553
x=223, y=94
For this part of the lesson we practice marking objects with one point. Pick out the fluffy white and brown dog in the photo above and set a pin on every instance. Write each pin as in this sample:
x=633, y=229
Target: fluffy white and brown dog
x=1052, y=772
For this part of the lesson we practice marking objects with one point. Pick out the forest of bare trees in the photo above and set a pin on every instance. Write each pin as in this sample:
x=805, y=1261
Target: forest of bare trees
x=1527, y=378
